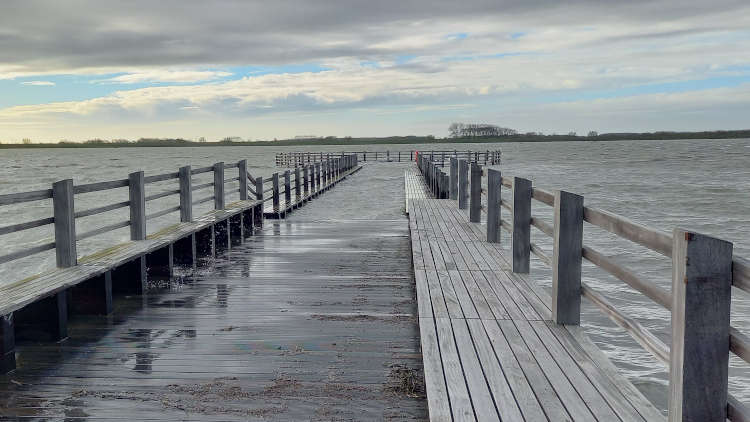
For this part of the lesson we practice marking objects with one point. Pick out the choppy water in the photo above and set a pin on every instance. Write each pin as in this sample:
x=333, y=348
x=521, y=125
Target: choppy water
x=700, y=185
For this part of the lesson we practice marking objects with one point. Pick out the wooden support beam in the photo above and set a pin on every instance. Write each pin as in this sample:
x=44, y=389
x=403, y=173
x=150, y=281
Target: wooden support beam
x=236, y=229
x=305, y=179
x=242, y=170
x=186, y=194
x=276, y=197
x=454, y=178
x=137, y=191
x=463, y=184
x=521, y=246
x=475, y=200
x=287, y=189
x=493, y=205
x=160, y=263
x=184, y=252
x=221, y=235
x=130, y=277
x=7, y=344
x=258, y=217
x=65, y=224
x=297, y=183
x=566, y=258
x=93, y=296
x=47, y=317
x=699, y=355
x=219, y=186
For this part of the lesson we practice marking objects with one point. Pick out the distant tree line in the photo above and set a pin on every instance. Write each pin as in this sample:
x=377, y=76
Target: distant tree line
x=477, y=130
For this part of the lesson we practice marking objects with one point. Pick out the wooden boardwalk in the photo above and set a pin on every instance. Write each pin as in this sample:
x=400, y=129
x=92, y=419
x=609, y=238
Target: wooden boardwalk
x=490, y=349
x=303, y=321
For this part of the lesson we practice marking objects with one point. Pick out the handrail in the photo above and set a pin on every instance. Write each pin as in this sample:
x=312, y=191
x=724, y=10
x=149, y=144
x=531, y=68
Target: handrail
x=203, y=186
x=21, y=197
x=645, y=236
x=543, y=196
x=26, y=252
x=101, y=230
x=202, y=170
x=102, y=209
x=162, y=212
x=642, y=335
x=161, y=177
x=206, y=199
x=100, y=186
x=652, y=291
x=162, y=194
x=27, y=225
x=741, y=273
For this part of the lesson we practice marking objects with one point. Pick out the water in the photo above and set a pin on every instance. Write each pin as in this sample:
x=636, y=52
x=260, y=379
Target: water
x=695, y=184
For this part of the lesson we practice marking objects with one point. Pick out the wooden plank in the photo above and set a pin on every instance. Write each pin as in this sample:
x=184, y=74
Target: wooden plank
x=537, y=333
x=439, y=308
x=563, y=341
x=528, y=402
x=451, y=300
x=502, y=307
x=458, y=392
x=543, y=390
x=424, y=306
x=505, y=402
x=437, y=393
x=475, y=294
x=467, y=305
x=481, y=398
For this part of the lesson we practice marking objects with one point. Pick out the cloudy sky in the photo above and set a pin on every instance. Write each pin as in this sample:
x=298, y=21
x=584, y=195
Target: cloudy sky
x=263, y=69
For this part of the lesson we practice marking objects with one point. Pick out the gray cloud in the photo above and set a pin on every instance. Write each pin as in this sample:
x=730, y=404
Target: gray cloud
x=44, y=36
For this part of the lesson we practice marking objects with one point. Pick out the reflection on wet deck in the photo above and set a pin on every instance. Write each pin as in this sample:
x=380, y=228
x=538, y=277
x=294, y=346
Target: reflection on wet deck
x=303, y=321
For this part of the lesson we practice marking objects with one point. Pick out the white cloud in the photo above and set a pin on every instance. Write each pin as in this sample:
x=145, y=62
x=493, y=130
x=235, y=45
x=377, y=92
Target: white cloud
x=173, y=76
x=38, y=83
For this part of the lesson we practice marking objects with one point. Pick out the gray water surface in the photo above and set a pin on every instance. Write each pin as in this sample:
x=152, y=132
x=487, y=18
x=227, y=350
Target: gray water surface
x=702, y=185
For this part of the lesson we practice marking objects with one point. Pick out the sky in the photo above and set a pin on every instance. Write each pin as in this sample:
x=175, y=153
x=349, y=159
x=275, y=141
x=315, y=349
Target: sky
x=76, y=70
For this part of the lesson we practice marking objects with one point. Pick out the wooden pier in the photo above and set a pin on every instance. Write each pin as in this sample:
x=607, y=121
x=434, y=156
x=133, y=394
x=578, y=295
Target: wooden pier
x=225, y=317
x=42, y=304
x=496, y=346
x=440, y=156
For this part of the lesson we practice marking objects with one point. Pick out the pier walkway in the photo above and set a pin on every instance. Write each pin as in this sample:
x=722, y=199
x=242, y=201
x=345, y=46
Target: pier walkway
x=491, y=351
x=305, y=320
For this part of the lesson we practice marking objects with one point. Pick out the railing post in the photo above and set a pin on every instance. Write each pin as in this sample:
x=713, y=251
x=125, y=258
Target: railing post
x=463, y=184
x=521, y=225
x=287, y=188
x=566, y=258
x=454, y=178
x=186, y=194
x=258, y=217
x=276, y=192
x=475, y=204
x=65, y=223
x=493, y=205
x=219, y=186
x=7, y=344
x=699, y=355
x=318, y=167
x=242, y=167
x=297, y=183
x=399, y=156
x=305, y=177
x=137, y=189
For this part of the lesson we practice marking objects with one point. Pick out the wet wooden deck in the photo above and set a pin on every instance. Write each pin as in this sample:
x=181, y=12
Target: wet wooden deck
x=304, y=321
x=491, y=351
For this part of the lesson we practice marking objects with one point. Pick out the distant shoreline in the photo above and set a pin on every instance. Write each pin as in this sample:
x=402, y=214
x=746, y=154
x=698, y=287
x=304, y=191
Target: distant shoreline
x=395, y=140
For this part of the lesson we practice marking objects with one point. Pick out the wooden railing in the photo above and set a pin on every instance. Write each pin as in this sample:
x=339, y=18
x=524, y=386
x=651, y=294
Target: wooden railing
x=65, y=215
x=703, y=273
x=296, y=158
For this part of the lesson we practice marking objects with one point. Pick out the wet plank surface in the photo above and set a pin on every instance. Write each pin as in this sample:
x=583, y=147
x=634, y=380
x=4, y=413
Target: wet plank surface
x=304, y=321
x=490, y=349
